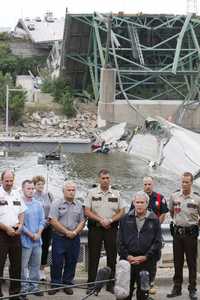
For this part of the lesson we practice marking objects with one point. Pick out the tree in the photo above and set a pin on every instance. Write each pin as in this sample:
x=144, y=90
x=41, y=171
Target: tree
x=16, y=99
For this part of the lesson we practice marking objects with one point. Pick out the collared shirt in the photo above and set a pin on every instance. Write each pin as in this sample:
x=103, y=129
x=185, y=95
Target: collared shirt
x=140, y=220
x=11, y=205
x=157, y=208
x=45, y=200
x=33, y=222
x=69, y=214
x=186, y=209
x=105, y=204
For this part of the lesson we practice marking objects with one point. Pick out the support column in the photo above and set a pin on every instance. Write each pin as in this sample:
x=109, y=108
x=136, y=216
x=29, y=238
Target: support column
x=107, y=96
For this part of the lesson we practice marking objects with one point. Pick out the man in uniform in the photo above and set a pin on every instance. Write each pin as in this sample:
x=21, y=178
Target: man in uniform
x=184, y=208
x=67, y=218
x=104, y=208
x=157, y=204
x=11, y=222
x=139, y=242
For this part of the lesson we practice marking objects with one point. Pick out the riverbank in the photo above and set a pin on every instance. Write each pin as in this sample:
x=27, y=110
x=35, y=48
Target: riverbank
x=44, y=122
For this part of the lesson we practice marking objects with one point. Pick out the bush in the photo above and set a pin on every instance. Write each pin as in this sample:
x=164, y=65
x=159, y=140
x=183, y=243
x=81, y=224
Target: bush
x=16, y=99
x=16, y=106
x=62, y=94
x=68, y=105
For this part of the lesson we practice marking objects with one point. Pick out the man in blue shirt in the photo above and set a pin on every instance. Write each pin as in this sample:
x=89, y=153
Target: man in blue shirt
x=31, y=240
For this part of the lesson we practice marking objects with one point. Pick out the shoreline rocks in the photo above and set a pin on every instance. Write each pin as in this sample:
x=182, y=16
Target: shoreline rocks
x=49, y=124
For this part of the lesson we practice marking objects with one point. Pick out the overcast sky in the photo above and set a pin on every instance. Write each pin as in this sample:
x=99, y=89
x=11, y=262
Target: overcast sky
x=12, y=10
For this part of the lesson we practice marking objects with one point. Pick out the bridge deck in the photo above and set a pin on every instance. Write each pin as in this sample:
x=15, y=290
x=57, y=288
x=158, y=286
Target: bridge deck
x=46, y=144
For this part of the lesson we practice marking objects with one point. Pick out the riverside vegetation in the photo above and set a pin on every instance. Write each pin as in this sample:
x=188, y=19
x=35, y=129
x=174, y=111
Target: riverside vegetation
x=11, y=66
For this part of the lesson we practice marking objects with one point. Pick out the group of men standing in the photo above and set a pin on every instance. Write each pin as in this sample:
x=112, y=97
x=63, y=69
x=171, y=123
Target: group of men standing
x=138, y=241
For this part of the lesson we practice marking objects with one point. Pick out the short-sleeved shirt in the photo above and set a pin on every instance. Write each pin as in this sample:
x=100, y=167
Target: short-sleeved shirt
x=46, y=200
x=69, y=214
x=11, y=205
x=155, y=206
x=105, y=204
x=185, y=209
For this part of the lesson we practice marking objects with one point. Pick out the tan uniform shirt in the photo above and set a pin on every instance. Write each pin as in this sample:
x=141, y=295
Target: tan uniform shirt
x=186, y=209
x=105, y=204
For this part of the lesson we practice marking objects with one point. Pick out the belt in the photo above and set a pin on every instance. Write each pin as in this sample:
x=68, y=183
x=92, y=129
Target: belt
x=189, y=230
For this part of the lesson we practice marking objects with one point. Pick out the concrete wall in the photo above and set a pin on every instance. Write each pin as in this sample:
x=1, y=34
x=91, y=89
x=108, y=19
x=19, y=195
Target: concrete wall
x=121, y=111
x=26, y=82
x=27, y=49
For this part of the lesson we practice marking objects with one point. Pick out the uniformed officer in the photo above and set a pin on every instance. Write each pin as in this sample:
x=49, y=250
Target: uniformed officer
x=67, y=218
x=184, y=208
x=11, y=222
x=157, y=204
x=104, y=208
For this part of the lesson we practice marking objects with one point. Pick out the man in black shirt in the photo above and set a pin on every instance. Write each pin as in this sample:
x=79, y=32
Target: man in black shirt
x=157, y=204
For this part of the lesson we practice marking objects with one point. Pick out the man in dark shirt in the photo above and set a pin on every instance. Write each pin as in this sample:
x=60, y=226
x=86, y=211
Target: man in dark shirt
x=139, y=242
x=158, y=205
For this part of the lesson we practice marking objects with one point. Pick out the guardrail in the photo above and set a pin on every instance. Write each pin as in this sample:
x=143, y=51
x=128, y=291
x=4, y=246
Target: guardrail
x=83, y=257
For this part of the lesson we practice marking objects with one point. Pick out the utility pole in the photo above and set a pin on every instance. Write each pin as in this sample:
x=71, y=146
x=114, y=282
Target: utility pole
x=7, y=106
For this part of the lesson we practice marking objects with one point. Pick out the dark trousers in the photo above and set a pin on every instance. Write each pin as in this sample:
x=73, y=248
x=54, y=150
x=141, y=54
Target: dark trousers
x=65, y=253
x=96, y=237
x=185, y=244
x=11, y=246
x=46, y=241
x=135, y=279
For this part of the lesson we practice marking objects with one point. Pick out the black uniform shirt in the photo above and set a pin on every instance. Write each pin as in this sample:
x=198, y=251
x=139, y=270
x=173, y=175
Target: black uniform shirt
x=154, y=205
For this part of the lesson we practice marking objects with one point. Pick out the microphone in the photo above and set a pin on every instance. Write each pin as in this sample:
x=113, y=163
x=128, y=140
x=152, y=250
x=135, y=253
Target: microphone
x=122, y=283
x=102, y=275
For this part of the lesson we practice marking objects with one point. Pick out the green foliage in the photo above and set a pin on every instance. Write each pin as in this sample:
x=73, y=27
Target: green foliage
x=47, y=86
x=16, y=99
x=4, y=36
x=16, y=106
x=59, y=88
x=61, y=92
x=15, y=65
x=68, y=105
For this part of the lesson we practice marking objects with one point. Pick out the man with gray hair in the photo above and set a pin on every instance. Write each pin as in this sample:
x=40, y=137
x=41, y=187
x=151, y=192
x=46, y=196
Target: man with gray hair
x=67, y=218
x=139, y=241
x=157, y=204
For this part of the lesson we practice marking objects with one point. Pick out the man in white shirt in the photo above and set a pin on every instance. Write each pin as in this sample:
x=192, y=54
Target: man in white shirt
x=11, y=220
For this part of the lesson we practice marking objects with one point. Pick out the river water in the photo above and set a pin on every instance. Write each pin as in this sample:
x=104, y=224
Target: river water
x=127, y=172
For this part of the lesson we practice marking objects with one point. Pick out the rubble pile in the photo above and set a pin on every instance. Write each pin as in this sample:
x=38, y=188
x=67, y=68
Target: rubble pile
x=48, y=124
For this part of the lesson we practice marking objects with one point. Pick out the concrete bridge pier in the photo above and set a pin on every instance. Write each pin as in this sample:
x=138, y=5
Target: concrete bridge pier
x=107, y=96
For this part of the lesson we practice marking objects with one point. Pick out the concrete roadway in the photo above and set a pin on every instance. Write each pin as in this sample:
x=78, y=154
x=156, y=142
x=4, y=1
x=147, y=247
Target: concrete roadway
x=80, y=294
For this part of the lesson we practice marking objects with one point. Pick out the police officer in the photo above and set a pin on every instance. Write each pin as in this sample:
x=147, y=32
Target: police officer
x=104, y=208
x=67, y=218
x=11, y=222
x=184, y=208
x=139, y=242
x=157, y=204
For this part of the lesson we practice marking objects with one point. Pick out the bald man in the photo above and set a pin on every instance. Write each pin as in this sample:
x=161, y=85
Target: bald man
x=11, y=221
x=67, y=218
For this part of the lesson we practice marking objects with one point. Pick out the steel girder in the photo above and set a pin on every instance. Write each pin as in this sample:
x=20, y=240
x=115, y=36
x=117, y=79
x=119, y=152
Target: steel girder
x=156, y=56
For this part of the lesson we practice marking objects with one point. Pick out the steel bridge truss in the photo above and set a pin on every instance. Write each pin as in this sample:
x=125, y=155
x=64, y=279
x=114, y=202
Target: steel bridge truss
x=157, y=57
